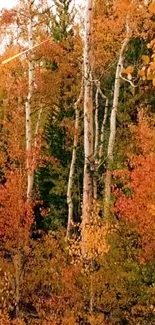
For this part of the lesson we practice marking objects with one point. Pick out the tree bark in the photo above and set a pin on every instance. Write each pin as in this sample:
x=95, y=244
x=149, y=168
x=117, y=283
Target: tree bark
x=96, y=145
x=101, y=146
x=30, y=173
x=99, y=135
x=112, y=136
x=88, y=123
x=72, y=166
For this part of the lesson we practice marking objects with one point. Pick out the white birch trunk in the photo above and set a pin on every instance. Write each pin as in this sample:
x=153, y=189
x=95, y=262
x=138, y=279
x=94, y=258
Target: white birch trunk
x=99, y=135
x=30, y=173
x=112, y=136
x=37, y=126
x=101, y=146
x=88, y=122
x=96, y=145
x=72, y=166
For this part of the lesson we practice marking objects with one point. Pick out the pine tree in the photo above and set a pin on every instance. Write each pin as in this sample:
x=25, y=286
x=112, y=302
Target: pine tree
x=62, y=27
x=52, y=180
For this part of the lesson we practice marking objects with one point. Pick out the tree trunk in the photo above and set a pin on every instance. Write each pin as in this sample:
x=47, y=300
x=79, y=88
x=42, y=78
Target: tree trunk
x=101, y=147
x=99, y=141
x=96, y=145
x=99, y=135
x=112, y=136
x=88, y=123
x=72, y=166
x=30, y=173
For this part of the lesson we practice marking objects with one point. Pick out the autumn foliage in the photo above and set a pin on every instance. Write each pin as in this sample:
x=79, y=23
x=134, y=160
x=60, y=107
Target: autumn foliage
x=135, y=199
x=103, y=272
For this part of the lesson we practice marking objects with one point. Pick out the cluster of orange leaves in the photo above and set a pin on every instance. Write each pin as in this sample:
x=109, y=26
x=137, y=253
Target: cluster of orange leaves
x=135, y=201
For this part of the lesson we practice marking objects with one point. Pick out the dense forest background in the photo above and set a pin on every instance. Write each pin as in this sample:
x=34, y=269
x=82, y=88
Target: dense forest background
x=77, y=163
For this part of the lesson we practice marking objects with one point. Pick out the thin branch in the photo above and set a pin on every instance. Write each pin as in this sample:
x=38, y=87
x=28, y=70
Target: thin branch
x=125, y=79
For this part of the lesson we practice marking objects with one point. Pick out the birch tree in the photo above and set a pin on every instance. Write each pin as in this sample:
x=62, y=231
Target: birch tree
x=88, y=120
x=113, y=116
x=30, y=173
x=99, y=135
x=72, y=166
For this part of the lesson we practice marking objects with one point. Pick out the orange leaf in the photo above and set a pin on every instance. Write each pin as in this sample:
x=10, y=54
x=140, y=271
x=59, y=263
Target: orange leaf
x=150, y=76
x=152, y=8
x=129, y=70
x=141, y=72
x=153, y=81
x=145, y=58
x=151, y=209
x=152, y=65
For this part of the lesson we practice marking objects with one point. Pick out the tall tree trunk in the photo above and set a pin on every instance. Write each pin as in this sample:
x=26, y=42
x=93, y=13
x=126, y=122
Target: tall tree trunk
x=96, y=145
x=101, y=146
x=99, y=135
x=112, y=136
x=99, y=141
x=88, y=123
x=72, y=166
x=30, y=173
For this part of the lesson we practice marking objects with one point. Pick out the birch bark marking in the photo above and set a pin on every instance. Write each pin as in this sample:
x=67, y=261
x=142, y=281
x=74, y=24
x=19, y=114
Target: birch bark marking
x=99, y=135
x=112, y=136
x=96, y=145
x=72, y=166
x=88, y=120
x=30, y=173
x=102, y=135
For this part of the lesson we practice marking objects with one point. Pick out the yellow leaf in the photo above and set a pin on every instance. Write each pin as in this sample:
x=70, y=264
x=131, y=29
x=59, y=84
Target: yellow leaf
x=141, y=72
x=153, y=81
x=150, y=76
x=146, y=59
x=152, y=65
x=152, y=8
x=151, y=44
x=151, y=207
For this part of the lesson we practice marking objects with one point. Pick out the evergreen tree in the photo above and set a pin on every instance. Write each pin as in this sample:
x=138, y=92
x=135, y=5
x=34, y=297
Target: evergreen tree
x=62, y=26
x=52, y=180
